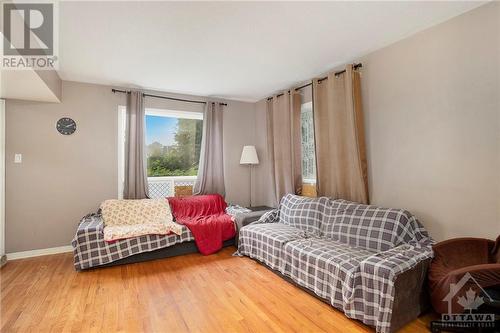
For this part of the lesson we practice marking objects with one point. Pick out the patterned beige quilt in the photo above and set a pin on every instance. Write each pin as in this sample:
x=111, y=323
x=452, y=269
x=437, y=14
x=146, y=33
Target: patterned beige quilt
x=133, y=218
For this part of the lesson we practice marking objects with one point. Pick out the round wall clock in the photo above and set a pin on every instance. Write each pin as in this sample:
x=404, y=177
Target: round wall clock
x=66, y=126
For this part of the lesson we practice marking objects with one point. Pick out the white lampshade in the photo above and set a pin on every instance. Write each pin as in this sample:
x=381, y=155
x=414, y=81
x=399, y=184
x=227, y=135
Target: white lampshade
x=249, y=155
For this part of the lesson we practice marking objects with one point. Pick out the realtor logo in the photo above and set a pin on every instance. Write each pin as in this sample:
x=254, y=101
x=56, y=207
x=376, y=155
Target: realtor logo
x=29, y=35
x=28, y=29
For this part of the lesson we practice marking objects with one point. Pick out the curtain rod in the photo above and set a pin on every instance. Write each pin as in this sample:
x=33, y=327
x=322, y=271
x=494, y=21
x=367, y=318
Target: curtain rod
x=355, y=66
x=164, y=97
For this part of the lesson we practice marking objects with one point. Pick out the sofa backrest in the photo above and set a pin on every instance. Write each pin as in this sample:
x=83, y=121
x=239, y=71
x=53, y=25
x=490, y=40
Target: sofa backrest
x=370, y=227
x=366, y=226
x=197, y=205
x=302, y=212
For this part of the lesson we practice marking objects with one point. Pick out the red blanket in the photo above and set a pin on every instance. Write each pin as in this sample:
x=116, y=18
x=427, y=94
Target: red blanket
x=205, y=216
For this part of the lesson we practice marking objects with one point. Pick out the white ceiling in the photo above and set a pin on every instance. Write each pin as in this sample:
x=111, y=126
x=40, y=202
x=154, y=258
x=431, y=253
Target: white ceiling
x=235, y=50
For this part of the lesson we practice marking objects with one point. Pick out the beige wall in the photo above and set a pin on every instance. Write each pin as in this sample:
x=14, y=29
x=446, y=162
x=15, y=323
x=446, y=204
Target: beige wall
x=432, y=119
x=262, y=188
x=63, y=178
x=432, y=116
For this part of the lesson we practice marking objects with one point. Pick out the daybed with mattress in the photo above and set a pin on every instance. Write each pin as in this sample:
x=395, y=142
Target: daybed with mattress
x=94, y=246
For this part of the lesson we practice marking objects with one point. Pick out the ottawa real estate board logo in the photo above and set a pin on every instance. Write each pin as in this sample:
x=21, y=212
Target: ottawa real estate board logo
x=469, y=296
x=29, y=36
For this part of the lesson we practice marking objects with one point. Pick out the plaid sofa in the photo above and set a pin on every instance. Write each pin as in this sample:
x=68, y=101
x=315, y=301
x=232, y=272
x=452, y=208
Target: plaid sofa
x=367, y=261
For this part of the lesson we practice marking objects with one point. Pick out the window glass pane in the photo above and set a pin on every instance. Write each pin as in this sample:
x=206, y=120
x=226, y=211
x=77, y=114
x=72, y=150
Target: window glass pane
x=308, y=154
x=173, y=145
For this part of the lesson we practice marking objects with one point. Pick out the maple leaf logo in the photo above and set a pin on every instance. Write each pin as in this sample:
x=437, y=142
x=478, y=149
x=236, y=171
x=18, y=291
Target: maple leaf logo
x=470, y=301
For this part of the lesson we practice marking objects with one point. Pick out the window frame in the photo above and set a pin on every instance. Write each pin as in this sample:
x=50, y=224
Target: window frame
x=173, y=113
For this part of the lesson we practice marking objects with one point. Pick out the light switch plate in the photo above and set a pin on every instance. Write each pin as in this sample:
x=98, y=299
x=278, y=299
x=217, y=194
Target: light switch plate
x=18, y=158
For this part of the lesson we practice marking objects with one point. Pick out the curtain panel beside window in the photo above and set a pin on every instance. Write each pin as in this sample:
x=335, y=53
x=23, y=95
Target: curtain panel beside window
x=211, y=168
x=284, y=143
x=135, y=184
x=340, y=139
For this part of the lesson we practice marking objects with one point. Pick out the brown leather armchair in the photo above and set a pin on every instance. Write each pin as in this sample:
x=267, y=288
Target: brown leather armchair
x=453, y=259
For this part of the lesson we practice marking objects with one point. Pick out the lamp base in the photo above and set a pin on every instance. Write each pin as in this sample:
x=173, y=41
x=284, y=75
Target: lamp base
x=250, y=185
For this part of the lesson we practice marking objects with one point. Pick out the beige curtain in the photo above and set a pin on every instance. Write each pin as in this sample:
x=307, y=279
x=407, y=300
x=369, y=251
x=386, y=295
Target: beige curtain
x=284, y=143
x=136, y=179
x=340, y=140
x=211, y=168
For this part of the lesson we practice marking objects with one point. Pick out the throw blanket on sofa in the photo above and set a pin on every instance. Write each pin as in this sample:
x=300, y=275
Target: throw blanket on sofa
x=347, y=253
x=205, y=217
x=133, y=218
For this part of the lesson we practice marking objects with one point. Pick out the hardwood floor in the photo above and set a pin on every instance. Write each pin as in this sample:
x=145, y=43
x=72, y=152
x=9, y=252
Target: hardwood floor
x=191, y=293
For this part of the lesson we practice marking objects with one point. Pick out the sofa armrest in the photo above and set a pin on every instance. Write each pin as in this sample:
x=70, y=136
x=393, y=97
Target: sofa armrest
x=89, y=231
x=455, y=243
x=271, y=216
x=91, y=224
x=441, y=279
x=463, y=252
x=389, y=264
x=383, y=274
x=486, y=275
x=411, y=298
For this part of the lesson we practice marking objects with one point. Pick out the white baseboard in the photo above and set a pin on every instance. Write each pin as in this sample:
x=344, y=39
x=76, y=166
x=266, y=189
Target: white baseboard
x=37, y=253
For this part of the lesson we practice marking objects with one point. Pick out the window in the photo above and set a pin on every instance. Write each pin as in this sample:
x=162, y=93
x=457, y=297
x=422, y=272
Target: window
x=308, y=153
x=173, y=142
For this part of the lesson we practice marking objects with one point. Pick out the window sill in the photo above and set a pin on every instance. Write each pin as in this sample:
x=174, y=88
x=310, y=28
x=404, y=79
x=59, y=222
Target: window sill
x=307, y=181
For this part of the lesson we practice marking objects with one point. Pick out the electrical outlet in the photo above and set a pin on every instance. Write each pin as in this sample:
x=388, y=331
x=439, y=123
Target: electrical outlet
x=18, y=158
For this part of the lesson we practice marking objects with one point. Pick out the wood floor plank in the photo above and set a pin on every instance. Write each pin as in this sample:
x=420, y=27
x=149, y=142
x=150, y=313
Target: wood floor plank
x=191, y=293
